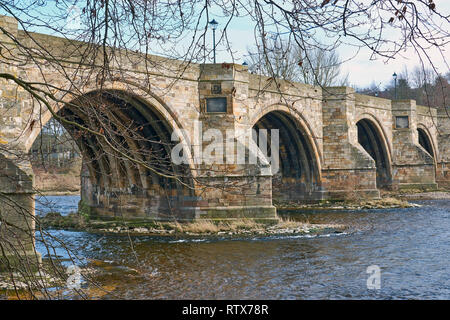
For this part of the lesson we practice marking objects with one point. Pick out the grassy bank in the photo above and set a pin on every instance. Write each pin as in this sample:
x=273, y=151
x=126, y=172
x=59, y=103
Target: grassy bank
x=75, y=221
x=418, y=194
x=383, y=203
x=202, y=227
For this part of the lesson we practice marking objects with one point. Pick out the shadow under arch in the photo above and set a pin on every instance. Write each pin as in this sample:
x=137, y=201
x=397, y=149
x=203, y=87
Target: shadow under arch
x=298, y=177
x=372, y=140
x=425, y=140
x=127, y=171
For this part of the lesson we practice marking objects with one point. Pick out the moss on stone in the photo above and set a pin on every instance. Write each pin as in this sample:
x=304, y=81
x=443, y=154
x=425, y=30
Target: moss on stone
x=84, y=210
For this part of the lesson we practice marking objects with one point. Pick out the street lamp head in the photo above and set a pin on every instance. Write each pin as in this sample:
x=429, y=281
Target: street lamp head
x=245, y=63
x=213, y=23
x=395, y=85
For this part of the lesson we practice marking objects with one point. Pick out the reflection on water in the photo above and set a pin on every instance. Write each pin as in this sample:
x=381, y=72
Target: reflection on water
x=410, y=245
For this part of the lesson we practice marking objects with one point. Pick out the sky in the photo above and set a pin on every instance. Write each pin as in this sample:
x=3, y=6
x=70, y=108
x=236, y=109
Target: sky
x=362, y=70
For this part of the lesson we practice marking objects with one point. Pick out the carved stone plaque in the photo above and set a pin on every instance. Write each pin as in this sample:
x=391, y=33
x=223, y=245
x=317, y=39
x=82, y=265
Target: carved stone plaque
x=218, y=104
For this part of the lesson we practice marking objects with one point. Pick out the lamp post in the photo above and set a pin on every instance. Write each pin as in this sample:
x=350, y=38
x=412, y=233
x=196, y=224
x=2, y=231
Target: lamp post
x=213, y=23
x=395, y=85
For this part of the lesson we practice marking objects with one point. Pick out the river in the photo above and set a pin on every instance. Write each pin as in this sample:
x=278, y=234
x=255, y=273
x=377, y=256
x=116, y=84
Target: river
x=410, y=246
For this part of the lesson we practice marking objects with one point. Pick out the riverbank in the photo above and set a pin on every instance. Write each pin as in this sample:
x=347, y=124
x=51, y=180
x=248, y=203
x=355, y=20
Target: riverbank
x=231, y=228
x=74, y=221
x=58, y=181
x=58, y=193
x=383, y=203
x=441, y=194
x=388, y=200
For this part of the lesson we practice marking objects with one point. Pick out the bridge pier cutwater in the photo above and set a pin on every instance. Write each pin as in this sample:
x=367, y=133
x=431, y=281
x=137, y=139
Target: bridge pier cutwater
x=333, y=143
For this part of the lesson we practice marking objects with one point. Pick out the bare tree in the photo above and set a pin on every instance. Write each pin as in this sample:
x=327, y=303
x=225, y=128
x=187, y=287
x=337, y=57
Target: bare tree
x=323, y=68
x=276, y=57
x=110, y=36
x=421, y=77
x=422, y=85
x=373, y=89
x=284, y=60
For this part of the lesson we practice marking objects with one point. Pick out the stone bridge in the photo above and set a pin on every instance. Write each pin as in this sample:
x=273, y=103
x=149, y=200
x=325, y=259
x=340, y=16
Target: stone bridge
x=334, y=143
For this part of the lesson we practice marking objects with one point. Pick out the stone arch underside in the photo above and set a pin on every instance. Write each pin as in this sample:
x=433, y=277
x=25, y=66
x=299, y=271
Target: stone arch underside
x=425, y=141
x=371, y=139
x=298, y=177
x=127, y=172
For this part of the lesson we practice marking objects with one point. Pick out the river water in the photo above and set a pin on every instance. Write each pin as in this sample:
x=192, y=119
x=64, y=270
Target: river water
x=410, y=246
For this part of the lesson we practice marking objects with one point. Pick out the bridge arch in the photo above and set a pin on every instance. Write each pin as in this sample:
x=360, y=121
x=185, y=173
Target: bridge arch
x=299, y=174
x=133, y=89
x=426, y=140
x=137, y=130
x=372, y=138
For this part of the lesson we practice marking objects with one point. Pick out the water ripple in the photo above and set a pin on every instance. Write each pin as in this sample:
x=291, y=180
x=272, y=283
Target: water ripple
x=410, y=246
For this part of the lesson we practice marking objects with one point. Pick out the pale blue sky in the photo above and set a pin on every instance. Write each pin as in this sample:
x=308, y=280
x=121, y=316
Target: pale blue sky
x=362, y=71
